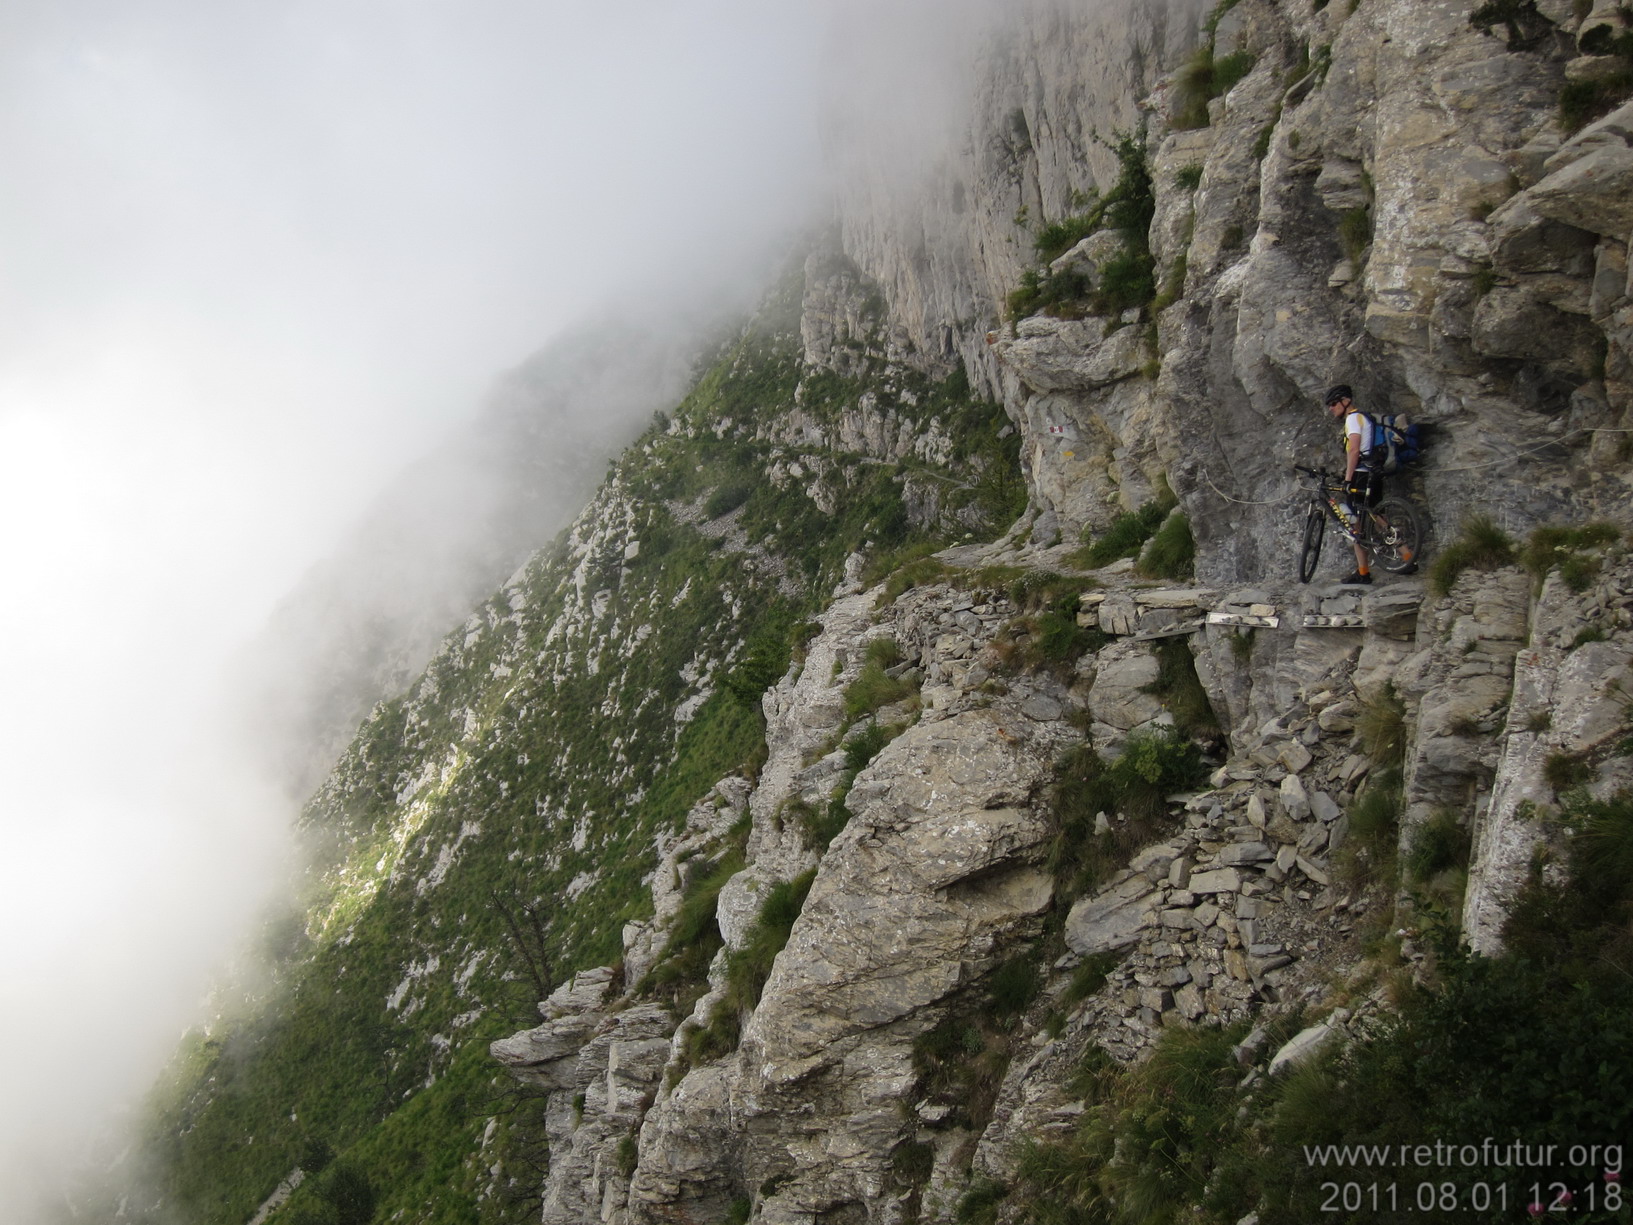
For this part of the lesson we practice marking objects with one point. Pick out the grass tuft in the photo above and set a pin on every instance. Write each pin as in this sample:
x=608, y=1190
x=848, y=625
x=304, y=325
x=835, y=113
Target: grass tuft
x=1571, y=550
x=1481, y=546
x=1381, y=727
x=1171, y=554
x=1369, y=853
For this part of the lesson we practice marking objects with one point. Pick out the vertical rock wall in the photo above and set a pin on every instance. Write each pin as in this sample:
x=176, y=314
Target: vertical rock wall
x=1385, y=199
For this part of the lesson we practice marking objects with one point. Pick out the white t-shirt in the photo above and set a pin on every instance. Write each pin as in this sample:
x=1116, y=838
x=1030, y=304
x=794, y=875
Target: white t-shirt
x=1356, y=422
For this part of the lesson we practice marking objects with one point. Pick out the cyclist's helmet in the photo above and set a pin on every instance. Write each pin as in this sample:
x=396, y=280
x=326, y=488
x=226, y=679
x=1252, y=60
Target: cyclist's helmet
x=1334, y=394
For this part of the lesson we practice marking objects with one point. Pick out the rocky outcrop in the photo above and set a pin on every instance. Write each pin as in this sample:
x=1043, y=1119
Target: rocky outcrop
x=939, y=875
x=1382, y=199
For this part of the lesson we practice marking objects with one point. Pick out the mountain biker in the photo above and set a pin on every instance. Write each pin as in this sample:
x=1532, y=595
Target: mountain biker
x=1362, y=486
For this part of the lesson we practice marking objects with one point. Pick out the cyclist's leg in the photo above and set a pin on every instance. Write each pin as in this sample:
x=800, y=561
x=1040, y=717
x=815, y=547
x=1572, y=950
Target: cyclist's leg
x=1362, y=507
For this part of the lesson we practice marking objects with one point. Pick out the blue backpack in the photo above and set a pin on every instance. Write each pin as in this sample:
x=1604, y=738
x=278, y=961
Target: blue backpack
x=1395, y=442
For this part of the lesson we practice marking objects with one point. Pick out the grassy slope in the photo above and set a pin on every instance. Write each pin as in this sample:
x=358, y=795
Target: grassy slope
x=553, y=759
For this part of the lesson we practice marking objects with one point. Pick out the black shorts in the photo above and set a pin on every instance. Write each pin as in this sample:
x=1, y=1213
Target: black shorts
x=1373, y=484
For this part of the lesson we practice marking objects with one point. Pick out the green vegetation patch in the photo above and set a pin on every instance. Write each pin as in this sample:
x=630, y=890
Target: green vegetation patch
x=1369, y=853
x=1482, y=545
x=1576, y=552
x=1127, y=534
x=1128, y=278
x=1129, y=793
x=1171, y=553
x=1380, y=725
x=748, y=968
x=1180, y=690
x=519, y=787
x=1203, y=78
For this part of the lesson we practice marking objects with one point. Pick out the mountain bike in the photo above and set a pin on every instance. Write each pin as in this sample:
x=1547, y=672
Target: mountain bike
x=1389, y=530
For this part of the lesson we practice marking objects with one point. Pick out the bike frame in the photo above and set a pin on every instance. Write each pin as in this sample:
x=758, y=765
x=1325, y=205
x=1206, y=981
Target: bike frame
x=1388, y=530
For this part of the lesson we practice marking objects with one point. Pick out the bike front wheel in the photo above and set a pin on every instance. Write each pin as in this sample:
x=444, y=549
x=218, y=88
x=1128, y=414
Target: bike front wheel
x=1315, y=527
x=1393, y=535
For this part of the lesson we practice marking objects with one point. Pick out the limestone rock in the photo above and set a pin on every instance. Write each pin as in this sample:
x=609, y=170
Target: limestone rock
x=1118, y=698
x=1302, y=1047
x=1113, y=920
x=1593, y=193
x=1072, y=355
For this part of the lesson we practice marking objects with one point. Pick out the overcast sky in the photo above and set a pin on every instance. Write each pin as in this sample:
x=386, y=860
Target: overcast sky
x=253, y=259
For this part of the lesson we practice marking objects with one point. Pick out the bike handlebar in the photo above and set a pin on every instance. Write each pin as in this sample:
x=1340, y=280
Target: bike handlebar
x=1321, y=473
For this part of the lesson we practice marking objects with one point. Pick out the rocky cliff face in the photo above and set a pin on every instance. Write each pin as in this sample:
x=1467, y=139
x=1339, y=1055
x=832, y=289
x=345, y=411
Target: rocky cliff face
x=1380, y=200
x=862, y=866
x=1385, y=198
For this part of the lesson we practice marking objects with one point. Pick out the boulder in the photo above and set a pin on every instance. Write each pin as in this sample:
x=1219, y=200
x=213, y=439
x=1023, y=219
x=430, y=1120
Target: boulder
x=1593, y=193
x=1118, y=698
x=1111, y=921
x=1304, y=1046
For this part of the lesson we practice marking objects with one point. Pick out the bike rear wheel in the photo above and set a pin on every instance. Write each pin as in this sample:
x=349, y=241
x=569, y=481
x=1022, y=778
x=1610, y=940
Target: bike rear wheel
x=1315, y=527
x=1393, y=535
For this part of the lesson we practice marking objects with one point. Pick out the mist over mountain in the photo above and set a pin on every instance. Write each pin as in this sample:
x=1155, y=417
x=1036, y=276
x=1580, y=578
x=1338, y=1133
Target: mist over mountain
x=451, y=527
x=919, y=749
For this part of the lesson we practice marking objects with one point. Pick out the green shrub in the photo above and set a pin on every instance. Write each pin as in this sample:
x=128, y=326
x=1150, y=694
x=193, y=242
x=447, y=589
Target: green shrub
x=1150, y=1146
x=747, y=969
x=1581, y=102
x=749, y=966
x=694, y=921
x=1567, y=548
x=1440, y=843
x=1063, y=294
x=765, y=659
x=1355, y=232
x=1566, y=770
x=1369, y=852
x=819, y=827
x=1591, y=633
x=979, y=1205
x=1152, y=766
x=864, y=746
x=1189, y=178
x=1132, y=791
x=1204, y=78
x=873, y=689
x=962, y=1063
x=1580, y=925
x=912, y=1161
x=1125, y=537
x=1241, y=645
x=1172, y=551
x=1088, y=978
x=740, y=1210
x=1482, y=545
x=628, y=1155
x=681, y=972
x=886, y=652
x=920, y=572
x=1173, y=290
x=1380, y=725
x=728, y=498
x=1012, y=987
x=1127, y=279
x=1056, y=239
x=1035, y=590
